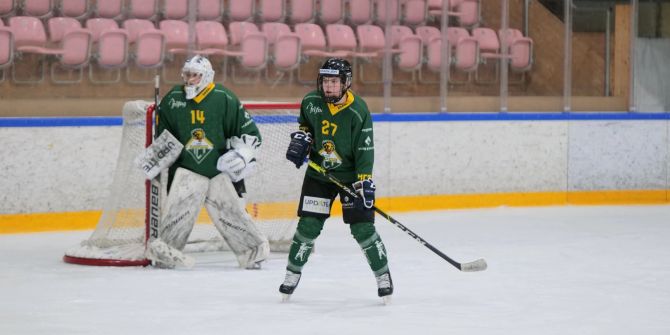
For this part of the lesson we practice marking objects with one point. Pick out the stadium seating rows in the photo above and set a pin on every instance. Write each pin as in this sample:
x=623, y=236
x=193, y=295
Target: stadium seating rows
x=116, y=34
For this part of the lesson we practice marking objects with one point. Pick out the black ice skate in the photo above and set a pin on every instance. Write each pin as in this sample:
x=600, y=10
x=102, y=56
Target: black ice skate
x=289, y=285
x=385, y=287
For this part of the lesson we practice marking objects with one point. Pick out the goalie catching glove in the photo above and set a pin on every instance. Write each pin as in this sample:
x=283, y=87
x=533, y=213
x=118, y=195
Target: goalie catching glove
x=366, y=194
x=298, y=149
x=239, y=162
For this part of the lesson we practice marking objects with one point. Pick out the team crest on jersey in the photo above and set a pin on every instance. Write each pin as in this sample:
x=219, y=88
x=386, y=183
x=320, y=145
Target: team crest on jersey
x=331, y=159
x=198, y=146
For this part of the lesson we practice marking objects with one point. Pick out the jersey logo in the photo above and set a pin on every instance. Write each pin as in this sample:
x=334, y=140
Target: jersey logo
x=198, y=146
x=176, y=104
x=331, y=159
x=311, y=109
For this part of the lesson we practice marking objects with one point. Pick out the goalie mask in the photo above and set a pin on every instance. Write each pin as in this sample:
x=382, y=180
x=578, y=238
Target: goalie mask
x=335, y=67
x=197, y=74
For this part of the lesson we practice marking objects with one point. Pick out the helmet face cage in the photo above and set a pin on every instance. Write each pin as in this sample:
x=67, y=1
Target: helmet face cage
x=335, y=67
x=200, y=65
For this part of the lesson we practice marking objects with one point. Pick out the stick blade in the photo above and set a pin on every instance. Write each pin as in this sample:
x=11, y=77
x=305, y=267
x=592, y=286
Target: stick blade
x=474, y=266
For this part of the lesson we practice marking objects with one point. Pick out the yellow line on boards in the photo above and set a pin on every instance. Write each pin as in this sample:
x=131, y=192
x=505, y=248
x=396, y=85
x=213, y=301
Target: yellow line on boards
x=85, y=220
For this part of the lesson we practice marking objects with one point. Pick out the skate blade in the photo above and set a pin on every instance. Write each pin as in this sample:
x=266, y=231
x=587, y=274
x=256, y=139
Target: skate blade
x=386, y=300
x=285, y=297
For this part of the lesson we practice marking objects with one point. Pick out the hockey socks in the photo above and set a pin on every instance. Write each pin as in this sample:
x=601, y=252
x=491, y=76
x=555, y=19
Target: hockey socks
x=308, y=230
x=372, y=246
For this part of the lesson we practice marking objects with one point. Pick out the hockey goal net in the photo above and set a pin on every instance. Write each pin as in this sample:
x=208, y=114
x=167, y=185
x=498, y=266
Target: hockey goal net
x=120, y=236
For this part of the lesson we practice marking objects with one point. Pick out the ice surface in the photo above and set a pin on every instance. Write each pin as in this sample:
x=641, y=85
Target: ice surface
x=553, y=270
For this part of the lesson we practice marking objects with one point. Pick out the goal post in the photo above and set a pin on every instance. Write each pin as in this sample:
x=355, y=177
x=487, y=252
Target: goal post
x=120, y=236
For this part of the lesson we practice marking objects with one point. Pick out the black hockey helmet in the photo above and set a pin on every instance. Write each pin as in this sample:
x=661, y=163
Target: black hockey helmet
x=335, y=67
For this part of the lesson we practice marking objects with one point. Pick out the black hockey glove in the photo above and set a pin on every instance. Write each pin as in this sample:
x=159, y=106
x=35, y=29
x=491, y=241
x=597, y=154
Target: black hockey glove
x=366, y=194
x=298, y=148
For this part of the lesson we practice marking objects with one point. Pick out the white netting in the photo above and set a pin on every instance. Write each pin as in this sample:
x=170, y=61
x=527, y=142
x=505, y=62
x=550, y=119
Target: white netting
x=272, y=193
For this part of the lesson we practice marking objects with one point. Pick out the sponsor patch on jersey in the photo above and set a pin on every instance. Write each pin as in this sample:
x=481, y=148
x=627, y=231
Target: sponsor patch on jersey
x=198, y=146
x=331, y=159
x=311, y=109
x=316, y=205
x=176, y=104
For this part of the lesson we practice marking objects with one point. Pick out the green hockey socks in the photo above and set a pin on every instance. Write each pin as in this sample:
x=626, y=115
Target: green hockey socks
x=372, y=246
x=308, y=230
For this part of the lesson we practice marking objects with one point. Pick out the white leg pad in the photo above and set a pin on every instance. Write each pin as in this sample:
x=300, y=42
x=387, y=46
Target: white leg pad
x=165, y=256
x=183, y=204
x=227, y=211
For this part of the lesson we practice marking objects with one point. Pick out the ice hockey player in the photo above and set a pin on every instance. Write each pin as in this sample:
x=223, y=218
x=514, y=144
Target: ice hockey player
x=219, y=141
x=335, y=132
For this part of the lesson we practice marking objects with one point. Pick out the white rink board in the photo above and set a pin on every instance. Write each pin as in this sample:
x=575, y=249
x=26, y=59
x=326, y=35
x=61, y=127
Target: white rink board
x=64, y=169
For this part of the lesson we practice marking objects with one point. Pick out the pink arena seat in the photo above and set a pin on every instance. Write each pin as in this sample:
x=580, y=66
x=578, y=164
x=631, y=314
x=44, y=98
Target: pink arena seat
x=380, y=11
x=238, y=31
x=77, y=9
x=301, y=11
x=175, y=9
x=330, y=11
x=6, y=49
x=410, y=46
x=240, y=10
x=211, y=9
x=414, y=12
x=7, y=7
x=464, y=49
x=110, y=49
x=99, y=25
x=341, y=38
x=37, y=8
x=60, y=26
x=273, y=29
x=176, y=36
x=148, y=46
x=270, y=10
x=211, y=38
x=110, y=9
x=142, y=9
x=313, y=41
x=360, y=12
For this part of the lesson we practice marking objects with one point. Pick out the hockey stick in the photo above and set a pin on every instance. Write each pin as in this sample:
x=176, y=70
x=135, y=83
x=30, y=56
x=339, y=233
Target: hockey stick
x=478, y=265
x=153, y=186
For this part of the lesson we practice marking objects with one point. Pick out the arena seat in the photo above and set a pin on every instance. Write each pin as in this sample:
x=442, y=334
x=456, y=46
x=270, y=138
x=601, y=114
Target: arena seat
x=148, y=46
x=301, y=11
x=211, y=38
x=380, y=11
x=109, y=51
x=60, y=26
x=6, y=49
x=284, y=50
x=8, y=7
x=78, y=9
x=489, y=51
x=76, y=46
x=520, y=49
x=360, y=12
x=30, y=37
x=410, y=46
x=109, y=9
x=240, y=10
x=270, y=10
x=211, y=9
x=250, y=48
x=413, y=12
x=330, y=11
x=142, y=9
x=176, y=36
x=405, y=48
x=37, y=8
x=174, y=9
x=466, y=11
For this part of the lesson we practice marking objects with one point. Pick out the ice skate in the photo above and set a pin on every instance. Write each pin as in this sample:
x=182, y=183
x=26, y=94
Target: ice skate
x=385, y=287
x=289, y=285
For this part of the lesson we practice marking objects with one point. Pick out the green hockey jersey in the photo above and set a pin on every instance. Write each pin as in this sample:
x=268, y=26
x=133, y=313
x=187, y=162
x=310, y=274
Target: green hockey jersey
x=343, y=141
x=203, y=124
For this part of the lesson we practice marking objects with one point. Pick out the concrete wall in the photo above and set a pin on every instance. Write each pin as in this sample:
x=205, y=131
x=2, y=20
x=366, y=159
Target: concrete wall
x=63, y=169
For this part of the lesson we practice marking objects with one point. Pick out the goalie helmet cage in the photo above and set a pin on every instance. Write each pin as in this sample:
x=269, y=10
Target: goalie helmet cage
x=121, y=234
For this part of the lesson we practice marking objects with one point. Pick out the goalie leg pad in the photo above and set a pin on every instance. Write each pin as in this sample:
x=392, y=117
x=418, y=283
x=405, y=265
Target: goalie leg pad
x=182, y=207
x=227, y=211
